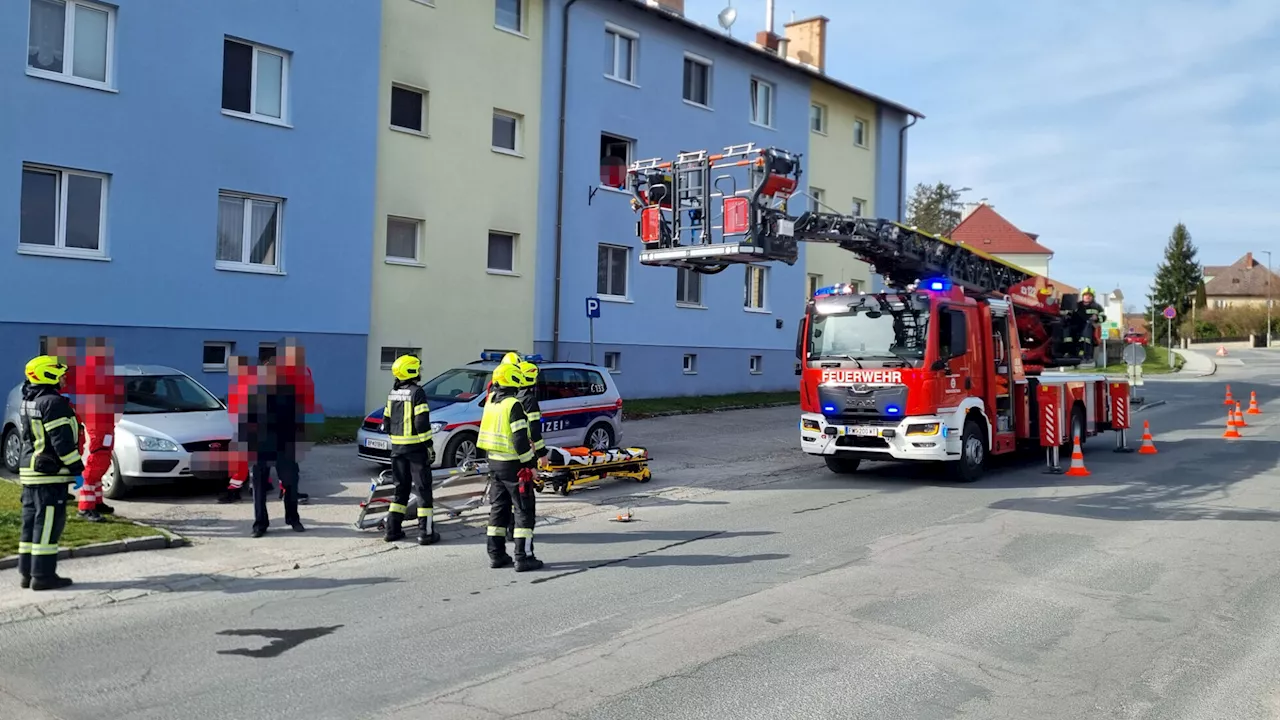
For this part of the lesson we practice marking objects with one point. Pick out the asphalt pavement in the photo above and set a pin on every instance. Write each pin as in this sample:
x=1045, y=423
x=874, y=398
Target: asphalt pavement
x=752, y=583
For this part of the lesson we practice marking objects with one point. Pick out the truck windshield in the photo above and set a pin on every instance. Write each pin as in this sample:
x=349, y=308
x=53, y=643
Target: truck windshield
x=867, y=334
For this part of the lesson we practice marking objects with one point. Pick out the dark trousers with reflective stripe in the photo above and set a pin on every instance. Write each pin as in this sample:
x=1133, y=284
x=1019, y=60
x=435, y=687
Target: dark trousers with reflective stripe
x=260, y=475
x=507, y=498
x=412, y=471
x=44, y=514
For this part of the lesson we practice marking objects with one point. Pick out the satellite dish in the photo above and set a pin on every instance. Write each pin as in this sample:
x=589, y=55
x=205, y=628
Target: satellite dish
x=728, y=16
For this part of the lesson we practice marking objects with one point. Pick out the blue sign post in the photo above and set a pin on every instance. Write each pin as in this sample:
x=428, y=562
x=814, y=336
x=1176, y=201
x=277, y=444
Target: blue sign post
x=593, y=312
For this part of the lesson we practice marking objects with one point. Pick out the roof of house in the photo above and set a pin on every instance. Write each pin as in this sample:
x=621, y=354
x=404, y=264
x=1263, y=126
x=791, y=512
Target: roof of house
x=1245, y=277
x=756, y=49
x=987, y=230
x=1063, y=288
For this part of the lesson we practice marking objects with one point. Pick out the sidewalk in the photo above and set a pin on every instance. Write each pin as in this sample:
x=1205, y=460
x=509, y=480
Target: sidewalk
x=1198, y=364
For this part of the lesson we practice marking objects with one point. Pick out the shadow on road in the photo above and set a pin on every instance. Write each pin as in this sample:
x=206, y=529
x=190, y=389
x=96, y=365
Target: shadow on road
x=188, y=582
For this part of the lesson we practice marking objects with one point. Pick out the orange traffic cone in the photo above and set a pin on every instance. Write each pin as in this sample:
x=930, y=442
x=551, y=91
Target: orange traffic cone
x=1240, y=417
x=1222, y=351
x=1148, y=445
x=1229, y=400
x=1231, y=432
x=1077, y=468
x=1253, y=403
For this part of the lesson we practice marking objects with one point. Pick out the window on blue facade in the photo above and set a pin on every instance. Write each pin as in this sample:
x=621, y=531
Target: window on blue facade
x=611, y=270
x=620, y=53
x=254, y=79
x=688, y=287
x=248, y=232
x=71, y=40
x=615, y=156
x=63, y=212
x=761, y=102
x=697, y=80
x=754, y=295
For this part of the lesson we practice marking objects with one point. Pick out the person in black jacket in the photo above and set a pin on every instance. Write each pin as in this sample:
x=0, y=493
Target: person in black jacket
x=50, y=460
x=407, y=419
x=273, y=429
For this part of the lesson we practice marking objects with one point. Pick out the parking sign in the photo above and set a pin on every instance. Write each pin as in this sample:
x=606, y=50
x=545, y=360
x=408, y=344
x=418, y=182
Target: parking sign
x=593, y=307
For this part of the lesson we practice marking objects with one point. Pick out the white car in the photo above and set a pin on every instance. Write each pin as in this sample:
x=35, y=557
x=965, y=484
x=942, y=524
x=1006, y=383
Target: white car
x=167, y=417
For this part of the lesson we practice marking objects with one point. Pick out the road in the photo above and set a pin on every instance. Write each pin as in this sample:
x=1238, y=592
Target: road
x=758, y=585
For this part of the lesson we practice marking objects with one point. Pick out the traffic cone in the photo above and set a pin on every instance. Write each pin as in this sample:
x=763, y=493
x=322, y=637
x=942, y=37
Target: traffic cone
x=1231, y=432
x=1222, y=351
x=1253, y=403
x=1148, y=445
x=1077, y=468
x=1240, y=417
x=1229, y=400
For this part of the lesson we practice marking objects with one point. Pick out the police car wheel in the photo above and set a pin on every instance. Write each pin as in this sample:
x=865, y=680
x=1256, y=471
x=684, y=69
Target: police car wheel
x=599, y=437
x=12, y=450
x=461, y=448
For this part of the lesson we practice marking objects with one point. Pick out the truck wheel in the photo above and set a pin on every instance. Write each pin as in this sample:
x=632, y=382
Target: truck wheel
x=1076, y=429
x=842, y=465
x=973, y=454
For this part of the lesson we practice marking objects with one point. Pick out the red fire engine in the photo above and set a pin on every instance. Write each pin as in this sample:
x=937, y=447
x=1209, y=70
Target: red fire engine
x=944, y=366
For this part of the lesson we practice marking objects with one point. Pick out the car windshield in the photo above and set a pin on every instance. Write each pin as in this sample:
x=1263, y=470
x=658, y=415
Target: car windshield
x=166, y=394
x=457, y=385
x=893, y=335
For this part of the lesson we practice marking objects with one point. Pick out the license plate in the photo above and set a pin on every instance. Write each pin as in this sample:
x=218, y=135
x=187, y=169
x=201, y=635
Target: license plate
x=864, y=431
x=377, y=444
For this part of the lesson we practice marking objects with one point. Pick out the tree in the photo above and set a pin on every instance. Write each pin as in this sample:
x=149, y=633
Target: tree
x=1202, y=301
x=1178, y=281
x=934, y=209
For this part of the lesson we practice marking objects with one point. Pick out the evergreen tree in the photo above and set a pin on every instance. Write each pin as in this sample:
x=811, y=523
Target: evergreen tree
x=1178, y=282
x=1202, y=301
x=934, y=209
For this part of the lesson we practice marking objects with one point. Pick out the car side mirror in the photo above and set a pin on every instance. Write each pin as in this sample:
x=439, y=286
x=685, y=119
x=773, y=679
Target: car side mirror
x=938, y=365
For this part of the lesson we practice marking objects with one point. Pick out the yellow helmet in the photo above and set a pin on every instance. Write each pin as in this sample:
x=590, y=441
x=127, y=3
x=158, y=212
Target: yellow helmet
x=527, y=374
x=45, y=370
x=507, y=376
x=1087, y=290
x=406, y=367
x=511, y=358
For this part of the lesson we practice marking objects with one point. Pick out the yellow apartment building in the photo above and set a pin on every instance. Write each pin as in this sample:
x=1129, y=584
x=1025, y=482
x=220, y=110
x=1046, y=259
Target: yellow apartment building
x=456, y=209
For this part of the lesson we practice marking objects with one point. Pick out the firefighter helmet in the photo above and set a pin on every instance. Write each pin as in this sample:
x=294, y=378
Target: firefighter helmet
x=45, y=370
x=527, y=374
x=406, y=367
x=507, y=376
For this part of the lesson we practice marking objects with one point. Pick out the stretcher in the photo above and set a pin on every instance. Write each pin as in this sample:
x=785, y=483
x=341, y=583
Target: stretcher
x=382, y=491
x=564, y=469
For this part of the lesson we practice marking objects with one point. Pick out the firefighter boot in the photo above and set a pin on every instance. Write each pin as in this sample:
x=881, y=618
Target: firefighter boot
x=427, y=534
x=50, y=583
x=498, y=557
x=394, y=530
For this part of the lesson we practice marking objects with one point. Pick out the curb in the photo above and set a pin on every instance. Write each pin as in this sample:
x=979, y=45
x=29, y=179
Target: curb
x=1213, y=366
x=162, y=541
x=1147, y=406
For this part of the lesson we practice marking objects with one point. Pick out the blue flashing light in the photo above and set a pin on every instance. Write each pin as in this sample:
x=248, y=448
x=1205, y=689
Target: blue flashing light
x=938, y=284
x=840, y=289
x=828, y=409
x=536, y=358
x=893, y=409
x=492, y=356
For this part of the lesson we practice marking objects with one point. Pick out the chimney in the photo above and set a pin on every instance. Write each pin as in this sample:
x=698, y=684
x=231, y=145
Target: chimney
x=1248, y=259
x=766, y=38
x=807, y=41
x=671, y=6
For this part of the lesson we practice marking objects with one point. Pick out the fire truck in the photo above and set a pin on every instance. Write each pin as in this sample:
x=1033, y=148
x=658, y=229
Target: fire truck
x=947, y=365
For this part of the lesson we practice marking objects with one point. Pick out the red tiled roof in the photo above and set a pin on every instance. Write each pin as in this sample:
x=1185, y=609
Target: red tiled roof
x=1063, y=288
x=1245, y=277
x=986, y=230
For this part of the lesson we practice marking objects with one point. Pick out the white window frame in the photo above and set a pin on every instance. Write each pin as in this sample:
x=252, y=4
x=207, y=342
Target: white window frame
x=822, y=118
x=764, y=289
x=613, y=361
x=866, y=129
x=818, y=199
x=814, y=282
x=757, y=82
x=399, y=350
x=228, y=349
x=515, y=243
x=681, y=275
x=523, y=12
x=631, y=149
x=708, y=65
x=690, y=363
x=755, y=365
x=423, y=110
x=626, y=279
x=246, y=246
x=612, y=32
x=68, y=48
x=416, y=260
x=519, y=129
x=858, y=207
x=59, y=247
x=258, y=48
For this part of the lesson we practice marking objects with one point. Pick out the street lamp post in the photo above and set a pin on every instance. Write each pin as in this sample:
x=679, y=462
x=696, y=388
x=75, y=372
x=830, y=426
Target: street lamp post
x=1268, y=254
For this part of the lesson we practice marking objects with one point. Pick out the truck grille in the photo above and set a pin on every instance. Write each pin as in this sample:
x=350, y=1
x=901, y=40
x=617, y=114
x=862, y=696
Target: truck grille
x=850, y=441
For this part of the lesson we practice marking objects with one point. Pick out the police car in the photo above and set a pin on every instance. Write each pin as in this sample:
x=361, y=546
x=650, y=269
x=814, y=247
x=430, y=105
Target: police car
x=580, y=406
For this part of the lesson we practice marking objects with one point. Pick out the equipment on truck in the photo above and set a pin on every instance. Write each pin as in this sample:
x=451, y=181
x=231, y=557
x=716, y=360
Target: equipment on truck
x=568, y=468
x=944, y=366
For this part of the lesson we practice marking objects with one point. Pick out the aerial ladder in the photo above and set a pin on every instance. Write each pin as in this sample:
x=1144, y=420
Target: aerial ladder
x=705, y=211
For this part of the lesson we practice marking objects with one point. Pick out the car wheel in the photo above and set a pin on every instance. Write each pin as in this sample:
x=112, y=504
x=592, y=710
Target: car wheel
x=842, y=465
x=113, y=485
x=12, y=449
x=599, y=437
x=973, y=454
x=461, y=448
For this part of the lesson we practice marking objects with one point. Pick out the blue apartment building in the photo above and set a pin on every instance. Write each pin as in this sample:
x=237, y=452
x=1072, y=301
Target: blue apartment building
x=664, y=332
x=190, y=180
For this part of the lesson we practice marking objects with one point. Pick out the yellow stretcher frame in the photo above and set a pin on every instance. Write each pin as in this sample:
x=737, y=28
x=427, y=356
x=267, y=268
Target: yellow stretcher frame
x=563, y=479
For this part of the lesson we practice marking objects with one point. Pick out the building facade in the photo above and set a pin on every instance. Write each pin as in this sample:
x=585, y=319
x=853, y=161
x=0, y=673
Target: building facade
x=190, y=180
x=456, y=222
x=1244, y=283
x=644, y=82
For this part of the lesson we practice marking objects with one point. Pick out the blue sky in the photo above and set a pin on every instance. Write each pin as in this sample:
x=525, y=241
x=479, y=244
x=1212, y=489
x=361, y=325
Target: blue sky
x=1097, y=124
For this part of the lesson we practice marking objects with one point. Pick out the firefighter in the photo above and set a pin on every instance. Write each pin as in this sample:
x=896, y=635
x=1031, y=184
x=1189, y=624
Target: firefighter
x=510, y=358
x=50, y=460
x=1089, y=318
x=101, y=395
x=528, y=397
x=504, y=436
x=407, y=419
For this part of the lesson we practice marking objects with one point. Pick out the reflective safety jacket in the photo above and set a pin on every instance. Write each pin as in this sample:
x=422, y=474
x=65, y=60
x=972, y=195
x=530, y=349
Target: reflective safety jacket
x=504, y=429
x=528, y=398
x=407, y=418
x=50, y=435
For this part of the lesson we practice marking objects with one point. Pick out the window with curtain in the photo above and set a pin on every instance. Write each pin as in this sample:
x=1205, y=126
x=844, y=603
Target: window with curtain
x=248, y=232
x=71, y=40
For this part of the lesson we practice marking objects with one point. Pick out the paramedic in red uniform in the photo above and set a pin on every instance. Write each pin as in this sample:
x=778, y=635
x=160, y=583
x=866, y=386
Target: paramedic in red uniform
x=100, y=398
x=243, y=376
x=295, y=372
